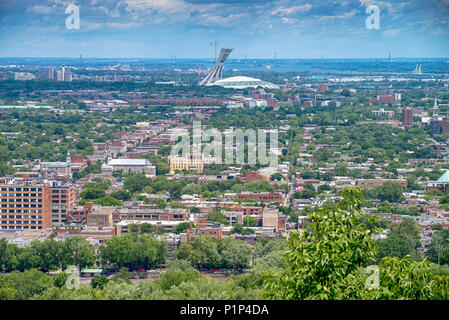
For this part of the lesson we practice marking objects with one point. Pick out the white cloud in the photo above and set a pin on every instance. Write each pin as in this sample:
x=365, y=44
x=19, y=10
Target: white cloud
x=286, y=20
x=341, y=16
x=166, y=6
x=89, y=26
x=291, y=10
x=40, y=9
x=391, y=32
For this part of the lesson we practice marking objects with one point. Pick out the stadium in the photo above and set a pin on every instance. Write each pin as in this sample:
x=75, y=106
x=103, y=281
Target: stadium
x=214, y=78
x=241, y=82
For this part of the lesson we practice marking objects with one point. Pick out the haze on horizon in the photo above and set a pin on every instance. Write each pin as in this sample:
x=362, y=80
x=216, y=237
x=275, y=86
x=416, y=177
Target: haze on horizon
x=254, y=28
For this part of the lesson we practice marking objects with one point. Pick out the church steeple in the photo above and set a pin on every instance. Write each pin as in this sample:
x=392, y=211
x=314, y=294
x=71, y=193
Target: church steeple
x=68, y=160
x=68, y=165
x=435, y=108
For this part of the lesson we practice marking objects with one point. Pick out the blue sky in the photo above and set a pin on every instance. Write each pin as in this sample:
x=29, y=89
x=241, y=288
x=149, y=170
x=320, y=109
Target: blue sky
x=254, y=28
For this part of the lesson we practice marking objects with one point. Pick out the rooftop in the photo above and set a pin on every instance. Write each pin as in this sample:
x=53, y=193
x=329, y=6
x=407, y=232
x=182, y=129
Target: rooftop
x=129, y=162
x=444, y=177
x=241, y=82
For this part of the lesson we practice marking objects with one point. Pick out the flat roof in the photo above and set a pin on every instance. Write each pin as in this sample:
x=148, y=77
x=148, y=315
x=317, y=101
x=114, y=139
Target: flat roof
x=129, y=162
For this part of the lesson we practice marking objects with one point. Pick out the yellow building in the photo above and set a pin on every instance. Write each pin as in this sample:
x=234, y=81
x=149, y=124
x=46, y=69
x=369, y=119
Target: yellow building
x=189, y=164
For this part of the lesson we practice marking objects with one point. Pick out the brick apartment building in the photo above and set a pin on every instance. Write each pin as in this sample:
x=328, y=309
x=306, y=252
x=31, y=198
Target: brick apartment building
x=63, y=198
x=150, y=214
x=25, y=204
x=249, y=211
x=78, y=214
x=262, y=196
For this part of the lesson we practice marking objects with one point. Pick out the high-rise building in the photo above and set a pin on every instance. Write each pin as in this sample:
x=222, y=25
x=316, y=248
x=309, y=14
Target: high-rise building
x=58, y=75
x=407, y=116
x=25, y=204
x=51, y=72
x=67, y=75
x=62, y=73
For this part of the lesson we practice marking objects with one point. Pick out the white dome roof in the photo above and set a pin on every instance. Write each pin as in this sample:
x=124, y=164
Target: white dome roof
x=241, y=82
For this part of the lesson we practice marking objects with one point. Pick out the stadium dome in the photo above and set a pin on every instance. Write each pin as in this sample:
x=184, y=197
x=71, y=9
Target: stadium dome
x=241, y=82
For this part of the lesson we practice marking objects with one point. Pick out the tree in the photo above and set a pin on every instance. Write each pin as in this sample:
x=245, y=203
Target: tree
x=217, y=216
x=326, y=252
x=136, y=182
x=237, y=254
x=118, y=173
x=239, y=229
x=201, y=253
x=5, y=169
x=29, y=283
x=49, y=253
x=308, y=192
x=195, y=210
x=83, y=144
x=249, y=221
x=99, y=282
x=390, y=191
x=178, y=271
x=404, y=278
x=3, y=253
x=439, y=247
x=92, y=193
x=182, y=227
x=402, y=240
x=79, y=252
x=121, y=195
x=444, y=199
x=327, y=259
x=60, y=279
x=265, y=246
x=341, y=169
x=133, y=251
x=108, y=201
x=199, y=289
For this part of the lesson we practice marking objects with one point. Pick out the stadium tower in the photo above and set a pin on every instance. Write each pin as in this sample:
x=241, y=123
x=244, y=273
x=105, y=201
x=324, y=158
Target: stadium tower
x=217, y=71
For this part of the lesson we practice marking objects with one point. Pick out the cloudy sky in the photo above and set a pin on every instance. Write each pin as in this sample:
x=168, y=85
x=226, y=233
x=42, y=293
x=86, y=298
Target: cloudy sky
x=254, y=28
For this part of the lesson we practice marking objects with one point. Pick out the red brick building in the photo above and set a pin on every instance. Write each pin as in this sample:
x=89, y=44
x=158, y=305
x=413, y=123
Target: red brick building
x=25, y=204
x=253, y=176
x=262, y=196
